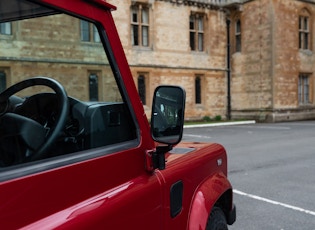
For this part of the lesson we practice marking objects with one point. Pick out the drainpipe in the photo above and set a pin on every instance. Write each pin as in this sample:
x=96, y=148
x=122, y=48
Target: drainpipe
x=228, y=69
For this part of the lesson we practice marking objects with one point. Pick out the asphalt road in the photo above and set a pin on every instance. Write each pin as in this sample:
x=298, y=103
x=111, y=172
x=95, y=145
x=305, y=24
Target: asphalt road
x=272, y=170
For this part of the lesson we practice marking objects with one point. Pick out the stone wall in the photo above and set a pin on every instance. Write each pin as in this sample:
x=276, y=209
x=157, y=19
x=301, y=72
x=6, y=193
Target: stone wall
x=265, y=73
x=62, y=57
x=252, y=67
x=169, y=60
x=264, y=80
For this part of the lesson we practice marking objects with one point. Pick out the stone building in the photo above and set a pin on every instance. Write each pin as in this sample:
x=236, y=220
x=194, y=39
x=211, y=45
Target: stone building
x=177, y=42
x=73, y=51
x=185, y=42
x=273, y=68
x=236, y=59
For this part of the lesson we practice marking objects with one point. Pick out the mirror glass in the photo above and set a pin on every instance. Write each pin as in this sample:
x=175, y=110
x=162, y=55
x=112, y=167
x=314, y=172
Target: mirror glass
x=167, y=117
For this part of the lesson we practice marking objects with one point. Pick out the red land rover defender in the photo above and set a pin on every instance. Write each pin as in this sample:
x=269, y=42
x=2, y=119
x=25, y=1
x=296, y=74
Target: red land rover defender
x=76, y=149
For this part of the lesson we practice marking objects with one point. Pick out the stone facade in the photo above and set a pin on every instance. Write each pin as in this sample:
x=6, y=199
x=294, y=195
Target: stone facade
x=264, y=74
x=69, y=60
x=267, y=63
x=169, y=59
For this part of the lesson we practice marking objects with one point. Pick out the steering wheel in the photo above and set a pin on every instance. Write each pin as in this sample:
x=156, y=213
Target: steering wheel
x=16, y=129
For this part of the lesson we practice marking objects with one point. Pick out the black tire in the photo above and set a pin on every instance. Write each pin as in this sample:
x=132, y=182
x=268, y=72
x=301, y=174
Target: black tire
x=216, y=220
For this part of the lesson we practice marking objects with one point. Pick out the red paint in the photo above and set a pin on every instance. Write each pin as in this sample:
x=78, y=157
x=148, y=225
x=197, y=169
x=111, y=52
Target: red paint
x=116, y=191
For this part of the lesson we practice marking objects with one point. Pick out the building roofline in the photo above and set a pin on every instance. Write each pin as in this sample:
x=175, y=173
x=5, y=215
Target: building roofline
x=207, y=3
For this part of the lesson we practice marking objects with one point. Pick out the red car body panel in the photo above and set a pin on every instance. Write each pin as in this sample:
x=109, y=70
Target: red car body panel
x=116, y=191
x=83, y=195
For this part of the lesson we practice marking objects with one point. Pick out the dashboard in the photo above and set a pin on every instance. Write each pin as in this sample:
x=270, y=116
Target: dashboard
x=88, y=124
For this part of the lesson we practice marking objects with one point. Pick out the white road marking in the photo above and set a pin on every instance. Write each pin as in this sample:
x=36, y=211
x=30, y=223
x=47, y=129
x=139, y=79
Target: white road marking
x=220, y=124
x=267, y=127
x=274, y=202
x=196, y=136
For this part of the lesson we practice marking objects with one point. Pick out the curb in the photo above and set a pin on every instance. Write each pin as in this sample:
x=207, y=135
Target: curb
x=220, y=124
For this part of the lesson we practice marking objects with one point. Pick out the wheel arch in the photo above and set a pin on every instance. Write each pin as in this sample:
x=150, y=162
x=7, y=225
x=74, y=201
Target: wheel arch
x=214, y=191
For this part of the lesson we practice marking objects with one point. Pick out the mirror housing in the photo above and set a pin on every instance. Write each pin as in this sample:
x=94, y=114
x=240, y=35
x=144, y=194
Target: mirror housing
x=167, y=117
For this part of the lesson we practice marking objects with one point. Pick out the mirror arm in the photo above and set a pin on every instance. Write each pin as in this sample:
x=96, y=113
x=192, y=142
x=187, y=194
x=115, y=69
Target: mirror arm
x=158, y=157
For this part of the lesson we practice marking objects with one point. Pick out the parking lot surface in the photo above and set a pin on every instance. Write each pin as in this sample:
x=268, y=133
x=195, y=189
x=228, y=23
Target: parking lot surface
x=272, y=170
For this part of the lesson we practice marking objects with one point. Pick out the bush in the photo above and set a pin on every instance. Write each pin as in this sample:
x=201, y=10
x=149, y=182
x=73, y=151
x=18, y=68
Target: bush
x=206, y=119
x=218, y=118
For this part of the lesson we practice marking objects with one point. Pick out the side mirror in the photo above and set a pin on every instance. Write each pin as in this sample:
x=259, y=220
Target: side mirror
x=167, y=117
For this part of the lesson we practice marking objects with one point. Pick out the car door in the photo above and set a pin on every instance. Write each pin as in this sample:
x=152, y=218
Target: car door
x=105, y=192
x=92, y=175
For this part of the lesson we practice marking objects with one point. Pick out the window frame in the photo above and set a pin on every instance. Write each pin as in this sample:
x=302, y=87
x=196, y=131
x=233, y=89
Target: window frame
x=305, y=31
x=140, y=25
x=142, y=89
x=3, y=81
x=304, y=89
x=88, y=32
x=198, y=89
x=93, y=86
x=197, y=32
x=6, y=26
x=238, y=36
